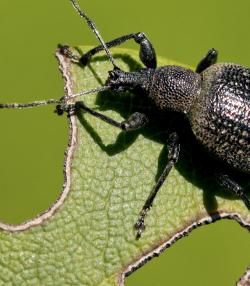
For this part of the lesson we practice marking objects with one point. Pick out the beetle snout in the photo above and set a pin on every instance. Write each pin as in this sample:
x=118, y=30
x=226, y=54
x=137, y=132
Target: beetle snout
x=116, y=79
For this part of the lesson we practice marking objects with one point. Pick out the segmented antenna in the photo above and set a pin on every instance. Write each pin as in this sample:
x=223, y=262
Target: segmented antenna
x=92, y=26
x=29, y=104
x=84, y=92
x=52, y=101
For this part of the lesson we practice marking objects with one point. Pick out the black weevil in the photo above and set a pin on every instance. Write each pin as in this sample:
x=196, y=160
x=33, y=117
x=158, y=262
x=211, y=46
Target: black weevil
x=215, y=99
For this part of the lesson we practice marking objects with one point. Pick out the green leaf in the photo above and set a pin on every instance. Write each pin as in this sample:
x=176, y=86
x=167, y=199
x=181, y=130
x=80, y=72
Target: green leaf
x=87, y=236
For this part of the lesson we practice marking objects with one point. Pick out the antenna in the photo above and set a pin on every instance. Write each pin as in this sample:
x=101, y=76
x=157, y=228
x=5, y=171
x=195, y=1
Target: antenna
x=52, y=101
x=84, y=92
x=29, y=104
x=92, y=26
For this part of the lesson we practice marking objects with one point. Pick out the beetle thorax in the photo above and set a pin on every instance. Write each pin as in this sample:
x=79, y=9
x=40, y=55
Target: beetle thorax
x=174, y=88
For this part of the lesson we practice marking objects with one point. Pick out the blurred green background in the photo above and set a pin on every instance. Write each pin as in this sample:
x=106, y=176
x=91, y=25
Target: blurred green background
x=33, y=141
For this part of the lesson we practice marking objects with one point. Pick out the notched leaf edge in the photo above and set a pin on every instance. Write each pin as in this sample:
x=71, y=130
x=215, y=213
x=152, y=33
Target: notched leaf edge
x=64, y=69
x=185, y=232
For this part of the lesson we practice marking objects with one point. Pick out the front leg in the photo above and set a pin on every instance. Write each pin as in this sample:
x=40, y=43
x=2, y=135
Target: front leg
x=147, y=53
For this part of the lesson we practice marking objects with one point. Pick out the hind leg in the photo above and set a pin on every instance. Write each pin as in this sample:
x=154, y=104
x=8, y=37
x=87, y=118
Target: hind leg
x=207, y=61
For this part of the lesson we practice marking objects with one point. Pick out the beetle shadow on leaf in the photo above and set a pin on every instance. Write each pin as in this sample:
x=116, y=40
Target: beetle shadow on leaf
x=202, y=170
x=194, y=164
x=122, y=142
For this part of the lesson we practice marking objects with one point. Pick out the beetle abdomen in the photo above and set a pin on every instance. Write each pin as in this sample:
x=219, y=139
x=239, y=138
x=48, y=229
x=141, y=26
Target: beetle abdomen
x=220, y=116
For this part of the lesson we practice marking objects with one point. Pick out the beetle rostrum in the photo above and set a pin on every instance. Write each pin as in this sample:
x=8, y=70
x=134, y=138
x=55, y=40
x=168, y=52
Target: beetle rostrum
x=215, y=99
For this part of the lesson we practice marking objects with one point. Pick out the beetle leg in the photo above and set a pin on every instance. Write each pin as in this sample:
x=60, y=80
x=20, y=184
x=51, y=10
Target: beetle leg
x=66, y=51
x=147, y=53
x=207, y=61
x=173, y=155
x=229, y=184
x=135, y=121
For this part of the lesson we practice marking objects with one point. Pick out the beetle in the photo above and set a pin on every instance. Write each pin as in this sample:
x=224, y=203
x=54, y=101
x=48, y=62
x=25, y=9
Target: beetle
x=215, y=99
